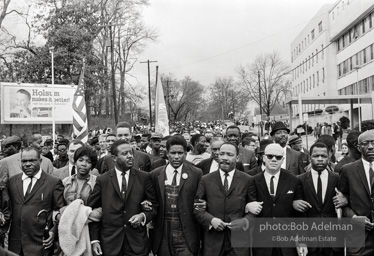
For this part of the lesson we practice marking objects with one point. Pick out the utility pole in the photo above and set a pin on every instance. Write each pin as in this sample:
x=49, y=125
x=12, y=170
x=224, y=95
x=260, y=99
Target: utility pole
x=149, y=91
x=259, y=94
x=113, y=74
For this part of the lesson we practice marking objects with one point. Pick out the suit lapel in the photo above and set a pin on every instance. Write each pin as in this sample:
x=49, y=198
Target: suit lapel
x=36, y=187
x=234, y=182
x=288, y=158
x=263, y=186
x=132, y=176
x=20, y=187
x=330, y=189
x=361, y=173
x=113, y=178
x=161, y=184
x=218, y=181
x=280, y=187
x=310, y=185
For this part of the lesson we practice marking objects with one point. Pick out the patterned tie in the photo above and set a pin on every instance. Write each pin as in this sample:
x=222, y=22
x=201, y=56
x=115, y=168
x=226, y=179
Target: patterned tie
x=371, y=174
x=319, y=187
x=124, y=185
x=174, y=182
x=73, y=170
x=28, y=190
x=272, y=193
x=226, y=183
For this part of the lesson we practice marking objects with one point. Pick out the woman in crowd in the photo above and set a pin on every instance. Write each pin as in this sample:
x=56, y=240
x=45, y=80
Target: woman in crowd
x=73, y=229
x=345, y=151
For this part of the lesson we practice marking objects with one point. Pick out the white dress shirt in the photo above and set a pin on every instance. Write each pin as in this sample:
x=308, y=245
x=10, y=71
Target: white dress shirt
x=71, y=168
x=170, y=174
x=367, y=167
x=275, y=180
x=26, y=180
x=229, y=177
x=283, y=166
x=214, y=166
x=119, y=177
x=324, y=179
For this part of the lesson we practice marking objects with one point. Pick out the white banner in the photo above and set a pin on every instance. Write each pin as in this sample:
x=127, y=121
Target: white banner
x=162, y=120
x=32, y=103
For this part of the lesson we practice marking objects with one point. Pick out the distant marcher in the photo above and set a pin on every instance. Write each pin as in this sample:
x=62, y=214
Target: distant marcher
x=345, y=151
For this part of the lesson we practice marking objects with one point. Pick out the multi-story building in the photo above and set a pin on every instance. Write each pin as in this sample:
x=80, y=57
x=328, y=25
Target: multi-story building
x=332, y=52
x=312, y=65
x=352, y=33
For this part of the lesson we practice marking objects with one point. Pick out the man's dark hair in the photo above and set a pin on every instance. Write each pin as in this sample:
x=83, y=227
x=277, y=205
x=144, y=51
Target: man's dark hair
x=233, y=127
x=75, y=142
x=110, y=134
x=123, y=125
x=247, y=140
x=195, y=138
x=32, y=148
x=328, y=140
x=176, y=140
x=232, y=144
x=94, y=140
x=166, y=137
x=115, y=145
x=86, y=151
x=352, y=139
x=23, y=91
x=318, y=145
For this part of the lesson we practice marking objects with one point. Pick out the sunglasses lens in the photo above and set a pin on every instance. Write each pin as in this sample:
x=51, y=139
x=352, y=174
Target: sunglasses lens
x=276, y=157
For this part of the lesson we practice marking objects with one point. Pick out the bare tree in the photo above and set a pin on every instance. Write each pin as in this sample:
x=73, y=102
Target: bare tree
x=273, y=80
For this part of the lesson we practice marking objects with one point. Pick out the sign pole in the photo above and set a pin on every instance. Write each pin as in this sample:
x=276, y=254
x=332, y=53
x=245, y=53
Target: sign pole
x=53, y=96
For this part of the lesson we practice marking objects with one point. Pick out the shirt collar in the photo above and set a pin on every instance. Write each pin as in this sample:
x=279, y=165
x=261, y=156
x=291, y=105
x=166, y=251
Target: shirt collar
x=268, y=175
x=120, y=172
x=366, y=163
x=222, y=173
x=316, y=173
x=36, y=176
x=171, y=169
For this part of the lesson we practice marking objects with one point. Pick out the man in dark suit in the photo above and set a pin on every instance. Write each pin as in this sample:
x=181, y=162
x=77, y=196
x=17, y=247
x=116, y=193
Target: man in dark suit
x=68, y=169
x=120, y=192
x=211, y=164
x=246, y=156
x=226, y=192
x=276, y=192
x=175, y=231
x=295, y=142
x=356, y=182
x=293, y=161
x=141, y=160
x=320, y=194
x=260, y=154
x=34, y=195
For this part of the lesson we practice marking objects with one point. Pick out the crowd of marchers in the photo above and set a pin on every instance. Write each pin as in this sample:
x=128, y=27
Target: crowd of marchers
x=179, y=195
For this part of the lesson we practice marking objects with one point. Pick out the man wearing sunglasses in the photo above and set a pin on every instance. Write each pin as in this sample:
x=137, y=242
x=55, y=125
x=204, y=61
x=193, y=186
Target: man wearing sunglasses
x=293, y=161
x=276, y=190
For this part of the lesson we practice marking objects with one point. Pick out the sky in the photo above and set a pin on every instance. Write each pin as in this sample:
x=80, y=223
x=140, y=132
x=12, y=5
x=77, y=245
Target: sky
x=207, y=39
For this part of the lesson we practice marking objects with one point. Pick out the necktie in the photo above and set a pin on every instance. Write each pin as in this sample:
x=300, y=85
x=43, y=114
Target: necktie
x=319, y=187
x=174, y=182
x=272, y=193
x=124, y=185
x=28, y=190
x=73, y=170
x=371, y=174
x=226, y=183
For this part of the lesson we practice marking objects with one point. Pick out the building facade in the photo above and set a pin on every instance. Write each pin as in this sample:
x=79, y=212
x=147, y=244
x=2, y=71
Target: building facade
x=332, y=53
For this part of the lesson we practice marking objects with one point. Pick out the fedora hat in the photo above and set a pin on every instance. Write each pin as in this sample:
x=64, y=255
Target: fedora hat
x=279, y=126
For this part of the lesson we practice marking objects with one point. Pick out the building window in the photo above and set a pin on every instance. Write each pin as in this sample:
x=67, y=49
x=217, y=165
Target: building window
x=320, y=27
x=316, y=55
x=317, y=77
x=323, y=75
x=363, y=26
x=333, y=16
x=322, y=51
x=312, y=34
x=338, y=43
x=371, y=52
x=314, y=81
x=370, y=21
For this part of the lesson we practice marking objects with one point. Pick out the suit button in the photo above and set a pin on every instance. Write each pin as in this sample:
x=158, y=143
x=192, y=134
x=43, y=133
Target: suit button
x=273, y=204
x=124, y=211
x=124, y=225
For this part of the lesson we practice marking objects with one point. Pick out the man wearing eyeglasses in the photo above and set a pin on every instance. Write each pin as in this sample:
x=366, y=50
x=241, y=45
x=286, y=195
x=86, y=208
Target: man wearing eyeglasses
x=276, y=190
x=356, y=182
